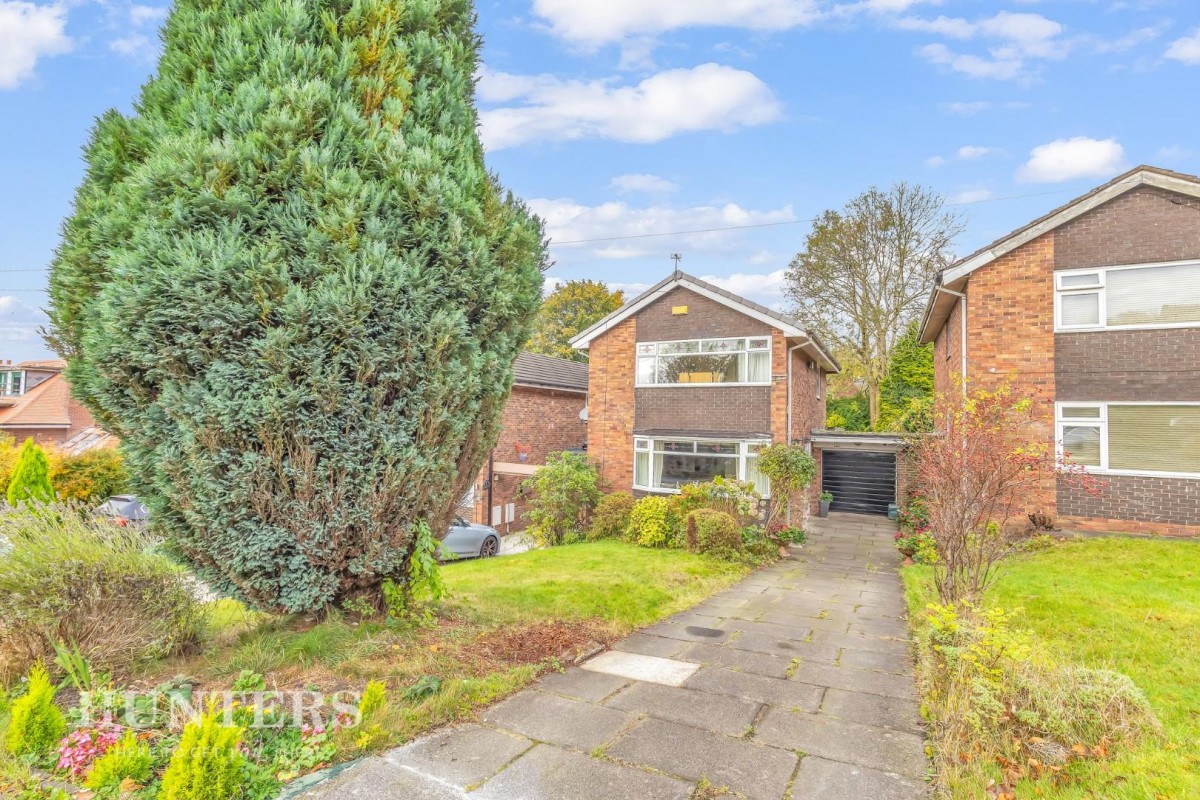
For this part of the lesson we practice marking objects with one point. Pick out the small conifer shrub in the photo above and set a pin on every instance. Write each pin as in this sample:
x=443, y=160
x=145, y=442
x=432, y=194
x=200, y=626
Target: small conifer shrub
x=36, y=725
x=128, y=760
x=30, y=481
x=207, y=765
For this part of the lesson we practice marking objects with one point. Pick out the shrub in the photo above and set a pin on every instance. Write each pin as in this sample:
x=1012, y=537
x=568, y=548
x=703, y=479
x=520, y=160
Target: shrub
x=129, y=760
x=35, y=724
x=8, y=461
x=737, y=498
x=207, y=764
x=374, y=698
x=713, y=532
x=611, y=517
x=82, y=746
x=790, y=469
x=991, y=693
x=30, y=480
x=90, y=584
x=653, y=523
x=308, y=355
x=563, y=493
x=89, y=477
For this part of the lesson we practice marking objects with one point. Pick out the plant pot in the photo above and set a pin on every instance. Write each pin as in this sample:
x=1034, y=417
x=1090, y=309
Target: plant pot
x=824, y=511
x=907, y=552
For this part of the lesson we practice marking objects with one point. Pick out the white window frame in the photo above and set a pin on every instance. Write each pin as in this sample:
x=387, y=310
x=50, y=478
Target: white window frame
x=645, y=444
x=1062, y=421
x=7, y=382
x=1101, y=290
x=769, y=350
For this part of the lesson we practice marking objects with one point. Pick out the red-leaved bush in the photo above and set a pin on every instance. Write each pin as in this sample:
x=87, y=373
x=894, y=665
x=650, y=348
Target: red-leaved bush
x=81, y=747
x=979, y=477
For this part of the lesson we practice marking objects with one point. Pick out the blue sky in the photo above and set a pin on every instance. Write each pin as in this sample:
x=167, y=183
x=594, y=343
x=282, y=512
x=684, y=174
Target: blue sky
x=630, y=117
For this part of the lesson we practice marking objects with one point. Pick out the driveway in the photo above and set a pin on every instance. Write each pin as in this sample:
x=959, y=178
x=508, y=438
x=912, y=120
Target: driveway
x=795, y=683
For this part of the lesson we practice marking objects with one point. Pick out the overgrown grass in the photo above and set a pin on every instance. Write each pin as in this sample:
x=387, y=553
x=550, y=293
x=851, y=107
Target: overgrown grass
x=501, y=626
x=1130, y=605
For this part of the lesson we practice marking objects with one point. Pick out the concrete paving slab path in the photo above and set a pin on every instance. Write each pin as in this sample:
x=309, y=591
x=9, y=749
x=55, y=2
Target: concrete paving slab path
x=798, y=685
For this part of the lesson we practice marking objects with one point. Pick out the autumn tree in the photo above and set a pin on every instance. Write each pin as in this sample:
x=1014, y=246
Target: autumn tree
x=293, y=289
x=865, y=272
x=573, y=307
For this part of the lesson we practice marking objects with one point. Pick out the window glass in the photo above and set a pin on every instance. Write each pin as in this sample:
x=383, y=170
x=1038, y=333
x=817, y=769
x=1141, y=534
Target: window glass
x=1080, y=309
x=720, y=448
x=1154, y=295
x=1079, y=281
x=700, y=368
x=645, y=370
x=678, y=468
x=647, y=349
x=722, y=345
x=757, y=478
x=1080, y=412
x=760, y=344
x=673, y=446
x=641, y=469
x=759, y=367
x=1154, y=438
x=670, y=348
x=1082, y=444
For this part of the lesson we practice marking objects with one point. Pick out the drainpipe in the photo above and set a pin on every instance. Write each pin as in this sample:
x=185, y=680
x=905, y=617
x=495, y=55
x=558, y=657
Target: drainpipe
x=491, y=480
x=963, y=335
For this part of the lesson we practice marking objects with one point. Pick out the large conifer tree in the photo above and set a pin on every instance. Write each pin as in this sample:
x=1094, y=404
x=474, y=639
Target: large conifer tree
x=291, y=287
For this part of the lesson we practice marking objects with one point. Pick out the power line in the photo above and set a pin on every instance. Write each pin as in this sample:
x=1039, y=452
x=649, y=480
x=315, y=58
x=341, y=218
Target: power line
x=723, y=229
x=778, y=224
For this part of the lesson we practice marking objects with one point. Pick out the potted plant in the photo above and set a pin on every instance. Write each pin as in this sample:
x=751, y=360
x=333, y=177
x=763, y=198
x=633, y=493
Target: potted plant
x=907, y=545
x=825, y=499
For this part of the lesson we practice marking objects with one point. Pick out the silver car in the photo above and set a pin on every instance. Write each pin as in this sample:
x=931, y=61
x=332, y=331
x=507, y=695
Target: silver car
x=469, y=540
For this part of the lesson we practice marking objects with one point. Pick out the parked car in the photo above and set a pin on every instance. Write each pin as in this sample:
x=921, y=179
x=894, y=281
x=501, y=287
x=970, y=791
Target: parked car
x=469, y=540
x=123, y=509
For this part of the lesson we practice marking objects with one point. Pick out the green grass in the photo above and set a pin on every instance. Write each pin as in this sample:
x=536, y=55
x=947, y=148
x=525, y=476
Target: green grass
x=1132, y=605
x=610, y=588
x=626, y=586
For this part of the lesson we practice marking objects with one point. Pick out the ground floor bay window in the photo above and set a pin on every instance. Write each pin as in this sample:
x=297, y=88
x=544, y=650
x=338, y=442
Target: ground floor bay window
x=663, y=465
x=1131, y=438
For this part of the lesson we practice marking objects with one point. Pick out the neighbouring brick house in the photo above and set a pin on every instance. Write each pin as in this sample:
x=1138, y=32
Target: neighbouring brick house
x=687, y=381
x=36, y=402
x=1096, y=308
x=544, y=415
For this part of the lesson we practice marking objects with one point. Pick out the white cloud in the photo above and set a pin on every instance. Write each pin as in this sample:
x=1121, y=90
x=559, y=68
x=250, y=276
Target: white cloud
x=974, y=66
x=591, y=24
x=130, y=46
x=27, y=33
x=144, y=15
x=568, y=222
x=642, y=182
x=1186, y=50
x=755, y=286
x=968, y=108
x=969, y=152
x=971, y=196
x=707, y=97
x=1068, y=159
x=1015, y=39
x=1174, y=152
x=933, y=162
x=19, y=321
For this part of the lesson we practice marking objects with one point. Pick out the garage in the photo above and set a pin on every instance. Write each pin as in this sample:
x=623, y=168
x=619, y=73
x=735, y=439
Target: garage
x=862, y=482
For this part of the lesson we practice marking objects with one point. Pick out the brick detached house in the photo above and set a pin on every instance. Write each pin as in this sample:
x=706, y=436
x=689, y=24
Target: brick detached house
x=688, y=381
x=36, y=402
x=545, y=414
x=1096, y=307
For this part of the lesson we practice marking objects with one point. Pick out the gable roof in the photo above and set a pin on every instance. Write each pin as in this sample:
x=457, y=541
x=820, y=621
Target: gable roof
x=955, y=276
x=535, y=369
x=43, y=406
x=791, y=327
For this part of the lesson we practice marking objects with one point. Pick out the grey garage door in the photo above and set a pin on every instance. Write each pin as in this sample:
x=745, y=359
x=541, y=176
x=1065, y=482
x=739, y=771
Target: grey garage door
x=863, y=483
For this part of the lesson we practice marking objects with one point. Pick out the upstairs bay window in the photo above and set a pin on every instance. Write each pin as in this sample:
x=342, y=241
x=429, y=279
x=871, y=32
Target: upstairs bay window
x=693, y=362
x=663, y=465
x=1132, y=438
x=1150, y=296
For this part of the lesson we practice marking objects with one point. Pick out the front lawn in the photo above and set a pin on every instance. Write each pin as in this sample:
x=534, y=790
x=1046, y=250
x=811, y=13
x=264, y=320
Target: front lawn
x=1130, y=605
x=506, y=620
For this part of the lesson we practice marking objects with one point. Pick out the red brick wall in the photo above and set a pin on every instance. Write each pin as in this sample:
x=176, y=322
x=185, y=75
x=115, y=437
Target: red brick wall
x=706, y=319
x=1141, y=226
x=610, y=403
x=1010, y=336
x=540, y=422
x=947, y=354
x=716, y=409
